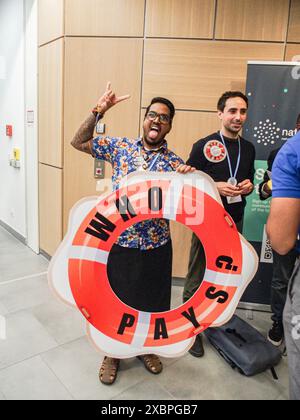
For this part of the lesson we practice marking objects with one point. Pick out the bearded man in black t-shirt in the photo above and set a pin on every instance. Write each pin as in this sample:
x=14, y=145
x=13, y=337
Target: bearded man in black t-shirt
x=229, y=160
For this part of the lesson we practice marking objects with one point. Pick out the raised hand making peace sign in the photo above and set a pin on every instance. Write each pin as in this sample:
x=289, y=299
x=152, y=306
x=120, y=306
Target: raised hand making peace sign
x=109, y=99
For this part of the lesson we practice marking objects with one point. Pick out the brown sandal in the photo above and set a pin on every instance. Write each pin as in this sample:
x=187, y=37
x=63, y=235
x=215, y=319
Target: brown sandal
x=152, y=363
x=108, y=371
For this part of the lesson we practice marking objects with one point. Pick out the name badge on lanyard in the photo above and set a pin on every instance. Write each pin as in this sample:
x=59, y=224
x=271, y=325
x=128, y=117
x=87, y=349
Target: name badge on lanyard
x=141, y=164
x=233, y=180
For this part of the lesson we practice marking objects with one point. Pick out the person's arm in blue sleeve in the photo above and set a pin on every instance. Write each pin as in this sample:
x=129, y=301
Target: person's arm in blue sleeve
x=284, y=219
x=283, y=224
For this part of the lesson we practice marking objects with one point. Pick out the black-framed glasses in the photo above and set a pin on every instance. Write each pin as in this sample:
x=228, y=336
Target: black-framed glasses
x=163, y=118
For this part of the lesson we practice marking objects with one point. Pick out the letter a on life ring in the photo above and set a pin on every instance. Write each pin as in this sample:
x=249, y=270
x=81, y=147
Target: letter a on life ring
x=78, y=270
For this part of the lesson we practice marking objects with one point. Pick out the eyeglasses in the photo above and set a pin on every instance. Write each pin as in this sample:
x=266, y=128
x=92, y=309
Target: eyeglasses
x=163, y=118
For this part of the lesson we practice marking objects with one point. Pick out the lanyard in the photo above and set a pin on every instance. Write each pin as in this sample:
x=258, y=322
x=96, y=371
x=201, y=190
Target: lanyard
x=153, y=161
x=228, y=158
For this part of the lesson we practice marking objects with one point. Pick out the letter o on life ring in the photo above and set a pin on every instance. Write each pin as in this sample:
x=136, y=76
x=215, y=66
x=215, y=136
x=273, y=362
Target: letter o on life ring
x=191, y=200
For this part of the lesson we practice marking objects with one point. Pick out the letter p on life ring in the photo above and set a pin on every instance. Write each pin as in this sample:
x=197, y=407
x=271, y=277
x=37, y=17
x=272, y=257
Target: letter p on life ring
x=78, y=270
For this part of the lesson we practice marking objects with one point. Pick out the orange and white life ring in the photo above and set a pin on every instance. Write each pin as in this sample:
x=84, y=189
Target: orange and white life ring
x=78, y=271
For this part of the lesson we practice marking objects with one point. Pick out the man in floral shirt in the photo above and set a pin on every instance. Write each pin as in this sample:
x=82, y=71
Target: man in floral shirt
x=140, y=263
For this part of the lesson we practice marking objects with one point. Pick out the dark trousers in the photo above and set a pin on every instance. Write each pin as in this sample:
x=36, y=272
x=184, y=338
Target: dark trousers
x=283, y=266
x=142, y=279
x=197, y=266
x=292, y=332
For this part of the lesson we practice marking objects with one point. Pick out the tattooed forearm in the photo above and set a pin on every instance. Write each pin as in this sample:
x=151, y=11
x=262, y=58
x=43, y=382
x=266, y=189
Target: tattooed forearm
x=84, y=136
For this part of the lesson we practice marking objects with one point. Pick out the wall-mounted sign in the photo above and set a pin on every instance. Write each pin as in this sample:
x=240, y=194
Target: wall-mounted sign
x=30, y=117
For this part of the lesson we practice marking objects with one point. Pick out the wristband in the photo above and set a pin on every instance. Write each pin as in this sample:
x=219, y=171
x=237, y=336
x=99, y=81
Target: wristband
x=97, y=112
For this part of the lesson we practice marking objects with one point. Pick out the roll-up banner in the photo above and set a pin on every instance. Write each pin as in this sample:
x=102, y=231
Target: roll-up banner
x=273, y=90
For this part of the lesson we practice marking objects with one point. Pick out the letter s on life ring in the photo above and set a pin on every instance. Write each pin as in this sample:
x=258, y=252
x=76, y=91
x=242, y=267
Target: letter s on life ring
x=78, y=270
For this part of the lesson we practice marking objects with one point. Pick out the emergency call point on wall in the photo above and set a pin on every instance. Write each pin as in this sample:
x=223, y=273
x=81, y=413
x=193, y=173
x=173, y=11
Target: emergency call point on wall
x=9, y=130
x=99, y=167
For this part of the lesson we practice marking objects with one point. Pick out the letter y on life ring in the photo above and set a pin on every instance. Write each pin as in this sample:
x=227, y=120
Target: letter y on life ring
x=78, y=270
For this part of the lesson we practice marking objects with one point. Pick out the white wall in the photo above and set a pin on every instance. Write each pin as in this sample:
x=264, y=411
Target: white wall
x=31, y=129
x=12, y=181
x=18, y=94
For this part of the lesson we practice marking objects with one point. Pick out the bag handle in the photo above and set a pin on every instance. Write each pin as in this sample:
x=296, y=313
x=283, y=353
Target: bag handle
x=274, y=374
x=236, y=334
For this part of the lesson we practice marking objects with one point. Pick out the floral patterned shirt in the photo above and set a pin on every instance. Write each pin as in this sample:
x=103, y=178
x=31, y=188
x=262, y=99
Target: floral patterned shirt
x=122, y=154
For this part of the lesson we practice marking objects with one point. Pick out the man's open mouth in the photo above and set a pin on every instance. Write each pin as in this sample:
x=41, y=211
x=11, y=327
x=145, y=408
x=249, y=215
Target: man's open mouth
x=154, y=131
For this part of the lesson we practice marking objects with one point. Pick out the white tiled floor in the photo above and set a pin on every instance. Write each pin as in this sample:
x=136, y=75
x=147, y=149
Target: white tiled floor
x=47, y=356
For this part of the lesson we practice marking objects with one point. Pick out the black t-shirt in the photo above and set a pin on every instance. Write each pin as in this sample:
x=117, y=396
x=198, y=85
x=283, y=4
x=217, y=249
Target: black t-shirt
x=219, y=171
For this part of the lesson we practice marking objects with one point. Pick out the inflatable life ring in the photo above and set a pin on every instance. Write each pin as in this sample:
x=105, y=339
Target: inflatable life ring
x=78, y=271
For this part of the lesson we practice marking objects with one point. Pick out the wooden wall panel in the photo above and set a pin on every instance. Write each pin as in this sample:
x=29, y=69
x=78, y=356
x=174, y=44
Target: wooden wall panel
x=105, y=18
x=50, y=208
x=294, y=26
x=51, y=103
x=50, y=20
x=292, y=51
x=188, y=127
x=180, y=18
x=90, y=63
x=193, y=74
x=253, y=20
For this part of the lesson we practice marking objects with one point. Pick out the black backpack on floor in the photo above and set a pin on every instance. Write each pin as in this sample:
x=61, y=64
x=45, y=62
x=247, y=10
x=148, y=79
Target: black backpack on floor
x=243, y=347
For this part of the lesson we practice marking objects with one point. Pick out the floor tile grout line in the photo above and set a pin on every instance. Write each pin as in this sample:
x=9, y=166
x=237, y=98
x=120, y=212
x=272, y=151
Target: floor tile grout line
x=31, y=276
x=150, y=379
x=168, y=392
x=163, y=387
x=31, y=358
x=46, y=351
x=128, y=389
x=58, y=345
x=29, y=309
x=63, y=385
x=27, y=358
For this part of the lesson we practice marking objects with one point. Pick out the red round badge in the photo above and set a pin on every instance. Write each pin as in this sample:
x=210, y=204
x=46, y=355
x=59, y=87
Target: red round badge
x=214, y=151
